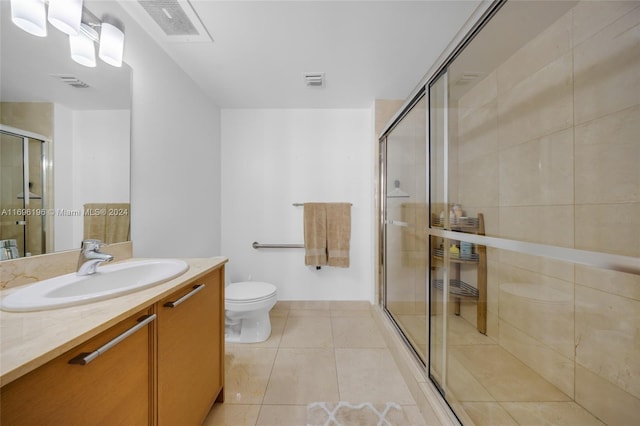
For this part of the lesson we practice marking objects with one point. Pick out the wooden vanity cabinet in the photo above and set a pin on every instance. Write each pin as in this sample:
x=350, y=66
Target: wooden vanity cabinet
x=163, y=365
x=190, y=351
x=111, y=389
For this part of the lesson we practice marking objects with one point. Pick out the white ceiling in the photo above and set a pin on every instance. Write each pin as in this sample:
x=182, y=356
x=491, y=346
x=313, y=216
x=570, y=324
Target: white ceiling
x=367, y=49
x=28, y=64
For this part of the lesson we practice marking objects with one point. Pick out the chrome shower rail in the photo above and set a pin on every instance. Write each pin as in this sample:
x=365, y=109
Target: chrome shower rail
x=257, y=245
x=302, y=204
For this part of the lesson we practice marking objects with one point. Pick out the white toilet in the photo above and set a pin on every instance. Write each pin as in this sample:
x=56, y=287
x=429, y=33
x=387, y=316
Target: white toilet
x=247, y=305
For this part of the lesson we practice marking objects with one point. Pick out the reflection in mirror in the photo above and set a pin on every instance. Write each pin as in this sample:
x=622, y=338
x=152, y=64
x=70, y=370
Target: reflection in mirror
x=64, y=145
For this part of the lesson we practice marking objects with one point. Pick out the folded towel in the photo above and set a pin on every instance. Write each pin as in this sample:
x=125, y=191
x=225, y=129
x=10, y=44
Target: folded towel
x=107, y=222
x=338, y=234
x=95, y=224
x=327, y=234
x=414, y=237
x=118, y=223
x=315, y=234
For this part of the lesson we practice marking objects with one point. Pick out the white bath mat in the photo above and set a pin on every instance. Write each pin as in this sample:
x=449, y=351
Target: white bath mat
x=355, y=414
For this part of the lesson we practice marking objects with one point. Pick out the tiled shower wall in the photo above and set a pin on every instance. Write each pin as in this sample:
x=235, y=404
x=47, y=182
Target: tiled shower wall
x=550, y=138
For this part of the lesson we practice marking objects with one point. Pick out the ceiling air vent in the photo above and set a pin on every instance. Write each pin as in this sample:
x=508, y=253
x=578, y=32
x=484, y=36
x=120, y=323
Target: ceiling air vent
x=169, y=20
x=170, y=17
x=467, y=78
x=71, y=81
x=314, y=79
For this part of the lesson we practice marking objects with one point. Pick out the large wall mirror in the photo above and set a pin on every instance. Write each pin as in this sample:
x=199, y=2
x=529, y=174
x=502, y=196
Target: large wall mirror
x=64, y=145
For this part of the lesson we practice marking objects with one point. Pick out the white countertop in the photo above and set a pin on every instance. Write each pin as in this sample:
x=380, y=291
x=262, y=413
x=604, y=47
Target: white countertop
x=31, y=339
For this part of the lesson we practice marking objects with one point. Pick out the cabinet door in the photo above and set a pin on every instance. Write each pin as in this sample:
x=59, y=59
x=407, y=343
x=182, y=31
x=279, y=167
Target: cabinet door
x=111, y=389
x=191, y=351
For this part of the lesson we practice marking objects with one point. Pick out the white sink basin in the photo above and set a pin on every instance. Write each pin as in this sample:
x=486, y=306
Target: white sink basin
x=108, y=281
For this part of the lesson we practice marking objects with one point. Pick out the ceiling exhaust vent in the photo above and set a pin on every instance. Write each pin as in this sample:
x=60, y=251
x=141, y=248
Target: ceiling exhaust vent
x=314, y=79
x=169, y=20
x=467, y=78
x=71, y=81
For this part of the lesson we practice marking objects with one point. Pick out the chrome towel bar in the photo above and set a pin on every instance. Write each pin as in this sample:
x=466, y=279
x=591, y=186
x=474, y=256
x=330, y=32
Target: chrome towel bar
x=257, y=245
x=302, y=204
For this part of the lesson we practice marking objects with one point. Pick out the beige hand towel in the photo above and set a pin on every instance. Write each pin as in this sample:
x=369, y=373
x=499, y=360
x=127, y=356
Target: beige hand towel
x=338, y=233
x=107, y=222
x=95, y=224
x=117, y=223
x=414, y=236
x=315, y=234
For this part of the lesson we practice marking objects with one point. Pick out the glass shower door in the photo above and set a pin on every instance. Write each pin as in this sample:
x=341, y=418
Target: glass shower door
x=21, y=189
x=534, y=198
x=12, y=222
x=405, y=226
x=438, y=272
x=35, y=229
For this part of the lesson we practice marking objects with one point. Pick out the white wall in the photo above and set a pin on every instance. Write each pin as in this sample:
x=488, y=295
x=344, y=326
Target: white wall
x=101, y=161
x=273, y=158
x=91, y=164
x=63, y=233
x=101, y=140
x=175, y=153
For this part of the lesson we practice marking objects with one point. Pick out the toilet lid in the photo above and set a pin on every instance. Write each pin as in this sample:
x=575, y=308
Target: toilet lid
x=249, y=291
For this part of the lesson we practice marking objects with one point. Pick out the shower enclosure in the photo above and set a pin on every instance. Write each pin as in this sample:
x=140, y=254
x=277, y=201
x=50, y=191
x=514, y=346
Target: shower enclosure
x=512, y=266
x=22, y=193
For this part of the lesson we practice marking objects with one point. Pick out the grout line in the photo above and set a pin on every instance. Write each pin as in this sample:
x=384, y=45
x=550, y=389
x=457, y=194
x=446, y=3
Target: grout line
x=275, y=358
x=335, y=360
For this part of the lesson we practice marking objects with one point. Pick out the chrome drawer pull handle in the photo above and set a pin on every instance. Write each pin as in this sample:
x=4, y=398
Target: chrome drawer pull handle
x=196, y=288
x=86, y=357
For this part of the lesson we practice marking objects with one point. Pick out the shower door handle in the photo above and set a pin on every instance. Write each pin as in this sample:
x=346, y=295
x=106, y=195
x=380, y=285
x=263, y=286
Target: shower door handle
x=397, y=223
x=21, y=222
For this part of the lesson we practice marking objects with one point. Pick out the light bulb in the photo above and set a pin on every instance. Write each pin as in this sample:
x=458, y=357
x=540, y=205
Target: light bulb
x=111, y=44
x=83, y=50
x=30, y=16
x=65, y=15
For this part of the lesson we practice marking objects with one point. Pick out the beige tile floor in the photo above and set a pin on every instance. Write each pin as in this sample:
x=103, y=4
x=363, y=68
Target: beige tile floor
x=318, y=351
x=494, y=387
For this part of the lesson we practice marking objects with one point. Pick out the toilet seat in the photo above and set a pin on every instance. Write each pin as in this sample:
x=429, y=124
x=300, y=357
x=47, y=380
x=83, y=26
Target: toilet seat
x=249, y=292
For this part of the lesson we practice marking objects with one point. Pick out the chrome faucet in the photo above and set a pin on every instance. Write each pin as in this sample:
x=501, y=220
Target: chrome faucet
x=90, y=256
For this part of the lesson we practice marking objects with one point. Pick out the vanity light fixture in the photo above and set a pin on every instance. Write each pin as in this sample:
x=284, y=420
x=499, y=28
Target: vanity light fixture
x=82, y=26
x=65, y=15
x=111, y=44
x=30, y=16
x=83, y=50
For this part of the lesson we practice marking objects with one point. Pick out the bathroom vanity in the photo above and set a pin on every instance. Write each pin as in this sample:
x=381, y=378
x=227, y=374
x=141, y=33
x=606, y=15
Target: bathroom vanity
x=152, y=357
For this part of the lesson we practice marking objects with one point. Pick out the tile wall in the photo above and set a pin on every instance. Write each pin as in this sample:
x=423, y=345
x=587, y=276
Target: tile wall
x=548, y=150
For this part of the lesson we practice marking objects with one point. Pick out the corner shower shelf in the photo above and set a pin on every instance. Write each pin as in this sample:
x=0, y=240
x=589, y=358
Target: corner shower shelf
x=458, y=288
x=464, y=224
x=473, y=258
